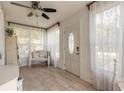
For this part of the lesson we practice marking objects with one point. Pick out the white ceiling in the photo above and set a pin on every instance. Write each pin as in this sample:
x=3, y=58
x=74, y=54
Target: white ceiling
x=19, y=14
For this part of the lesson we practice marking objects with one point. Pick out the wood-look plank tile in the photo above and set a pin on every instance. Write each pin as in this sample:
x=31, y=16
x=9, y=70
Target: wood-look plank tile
x=42, y=78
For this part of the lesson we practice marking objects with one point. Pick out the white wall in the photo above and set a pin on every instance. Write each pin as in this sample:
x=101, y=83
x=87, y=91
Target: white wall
x=85, y=66
x=2, y=37
x=82, y=19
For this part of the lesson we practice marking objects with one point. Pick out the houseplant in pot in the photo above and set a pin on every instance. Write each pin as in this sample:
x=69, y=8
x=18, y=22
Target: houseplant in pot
x=9, y=31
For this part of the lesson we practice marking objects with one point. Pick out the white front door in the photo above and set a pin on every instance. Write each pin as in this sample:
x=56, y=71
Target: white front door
x=72, y=49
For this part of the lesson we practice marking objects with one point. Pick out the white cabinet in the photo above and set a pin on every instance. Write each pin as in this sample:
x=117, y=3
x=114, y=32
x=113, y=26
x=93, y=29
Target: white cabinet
x=11, y=50
x=10, y=85
x=9, y=77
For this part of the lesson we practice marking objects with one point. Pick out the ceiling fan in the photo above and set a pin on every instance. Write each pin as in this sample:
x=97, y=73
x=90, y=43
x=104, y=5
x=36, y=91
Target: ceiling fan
x=36, y=9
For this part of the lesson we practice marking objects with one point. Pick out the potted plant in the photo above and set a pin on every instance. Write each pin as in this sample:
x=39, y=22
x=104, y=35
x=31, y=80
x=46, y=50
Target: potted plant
x=9, y=31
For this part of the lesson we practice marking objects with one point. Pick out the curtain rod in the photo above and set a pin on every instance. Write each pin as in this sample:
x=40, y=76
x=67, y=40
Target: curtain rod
x=25, y=25
x=53, y=25
x=88, y=5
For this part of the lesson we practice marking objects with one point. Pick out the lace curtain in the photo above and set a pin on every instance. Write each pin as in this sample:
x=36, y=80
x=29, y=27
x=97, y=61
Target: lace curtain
x=29, y=39
x=106, y=43
x=53, y=44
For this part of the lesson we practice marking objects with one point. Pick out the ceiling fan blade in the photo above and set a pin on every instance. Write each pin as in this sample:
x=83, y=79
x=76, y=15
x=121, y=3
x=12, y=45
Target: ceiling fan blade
x=20, y=5
x=48, y=10
x=45, y=16
x=30, y=14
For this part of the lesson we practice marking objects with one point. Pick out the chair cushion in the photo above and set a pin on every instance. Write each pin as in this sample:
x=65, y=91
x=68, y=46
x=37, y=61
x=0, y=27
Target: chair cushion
x=43, y=54
x=35, y=54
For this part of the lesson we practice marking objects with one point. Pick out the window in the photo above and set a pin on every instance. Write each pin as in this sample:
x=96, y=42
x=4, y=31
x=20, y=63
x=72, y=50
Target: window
x=106, y=43
x=71, y=43
x=37, y=40
x=107, y=36
x=23, y=41
x=29, y=39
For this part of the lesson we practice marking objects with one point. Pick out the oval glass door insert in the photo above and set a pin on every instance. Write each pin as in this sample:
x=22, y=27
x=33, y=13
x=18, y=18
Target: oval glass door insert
x=71, y=43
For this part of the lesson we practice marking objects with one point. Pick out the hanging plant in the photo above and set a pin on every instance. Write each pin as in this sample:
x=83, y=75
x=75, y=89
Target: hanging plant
x=9, y=31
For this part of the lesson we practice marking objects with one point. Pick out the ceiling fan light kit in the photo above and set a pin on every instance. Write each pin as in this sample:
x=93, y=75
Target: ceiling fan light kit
x=36, y=9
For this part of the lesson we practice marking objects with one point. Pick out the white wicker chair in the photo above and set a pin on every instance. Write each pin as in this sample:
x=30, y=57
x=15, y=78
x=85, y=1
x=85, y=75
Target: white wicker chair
x=39, y=56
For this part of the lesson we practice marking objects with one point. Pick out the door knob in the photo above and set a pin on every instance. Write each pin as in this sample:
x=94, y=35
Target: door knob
x=77, y=50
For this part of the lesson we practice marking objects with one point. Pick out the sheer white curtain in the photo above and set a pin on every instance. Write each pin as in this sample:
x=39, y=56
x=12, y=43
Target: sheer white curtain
x=23, y=43
x=106, y=42
x=29, y=39
x=53, y=44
